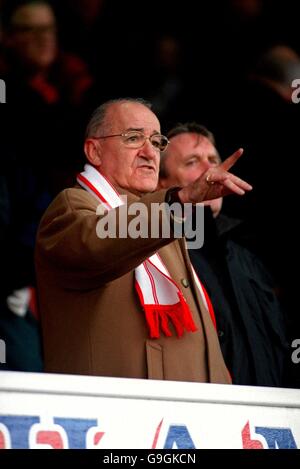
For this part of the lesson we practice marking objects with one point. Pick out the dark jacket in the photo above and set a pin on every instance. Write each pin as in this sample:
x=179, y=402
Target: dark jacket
x=249, y=319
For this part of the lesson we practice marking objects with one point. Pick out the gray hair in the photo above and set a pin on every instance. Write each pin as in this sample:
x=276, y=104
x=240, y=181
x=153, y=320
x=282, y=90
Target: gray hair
x=98, y=125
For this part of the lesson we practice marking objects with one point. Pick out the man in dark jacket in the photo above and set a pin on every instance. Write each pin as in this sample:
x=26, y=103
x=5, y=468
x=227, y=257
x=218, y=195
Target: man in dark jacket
x=249, y=319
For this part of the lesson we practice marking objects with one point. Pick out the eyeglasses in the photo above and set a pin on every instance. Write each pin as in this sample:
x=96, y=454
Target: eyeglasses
x=136, y=139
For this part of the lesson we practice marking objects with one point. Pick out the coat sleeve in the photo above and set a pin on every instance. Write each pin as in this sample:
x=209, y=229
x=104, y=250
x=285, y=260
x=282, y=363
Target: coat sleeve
x=68, y=243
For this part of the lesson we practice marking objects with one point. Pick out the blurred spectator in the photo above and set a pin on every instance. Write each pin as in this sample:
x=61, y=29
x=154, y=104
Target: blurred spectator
x=40, y=123
x=46, y=87
x=267, y=124
x=31, y=48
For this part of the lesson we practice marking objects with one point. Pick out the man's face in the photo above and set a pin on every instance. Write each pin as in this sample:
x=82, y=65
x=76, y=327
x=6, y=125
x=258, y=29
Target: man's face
x=189, y=155
x=33, y=36
x=134, y=169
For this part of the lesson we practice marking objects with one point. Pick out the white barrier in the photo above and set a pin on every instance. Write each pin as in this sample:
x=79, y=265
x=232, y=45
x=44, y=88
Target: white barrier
x=64, y=411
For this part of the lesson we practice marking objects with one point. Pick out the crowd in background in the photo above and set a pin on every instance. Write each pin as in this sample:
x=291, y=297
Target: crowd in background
x=229, y=65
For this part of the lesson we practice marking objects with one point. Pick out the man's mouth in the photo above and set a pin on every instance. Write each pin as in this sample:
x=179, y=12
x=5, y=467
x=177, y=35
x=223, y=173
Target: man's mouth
x=147, y=167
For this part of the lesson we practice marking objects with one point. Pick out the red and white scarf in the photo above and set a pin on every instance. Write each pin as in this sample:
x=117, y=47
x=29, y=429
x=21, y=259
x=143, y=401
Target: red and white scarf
x=160, y=297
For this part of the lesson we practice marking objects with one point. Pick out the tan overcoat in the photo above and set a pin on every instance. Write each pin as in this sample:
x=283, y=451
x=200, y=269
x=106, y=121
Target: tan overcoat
x=92, y=319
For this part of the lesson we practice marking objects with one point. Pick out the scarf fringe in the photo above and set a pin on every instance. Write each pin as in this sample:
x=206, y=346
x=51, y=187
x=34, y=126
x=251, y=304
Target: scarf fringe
x=159, y=316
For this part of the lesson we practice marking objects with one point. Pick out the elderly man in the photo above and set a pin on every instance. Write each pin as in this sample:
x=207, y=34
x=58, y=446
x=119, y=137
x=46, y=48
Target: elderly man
x=125, y=306
x=248, y=316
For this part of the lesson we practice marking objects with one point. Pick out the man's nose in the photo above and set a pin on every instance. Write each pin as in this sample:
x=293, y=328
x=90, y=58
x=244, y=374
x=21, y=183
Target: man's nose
x=149, y=150
x=206, y=164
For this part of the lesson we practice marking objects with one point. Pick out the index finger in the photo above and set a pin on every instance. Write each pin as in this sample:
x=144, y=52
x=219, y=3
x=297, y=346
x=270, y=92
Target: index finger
x=231, y=160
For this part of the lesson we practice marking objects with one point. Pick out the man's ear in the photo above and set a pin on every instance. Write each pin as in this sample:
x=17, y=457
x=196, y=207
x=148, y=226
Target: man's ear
x=92, y=152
